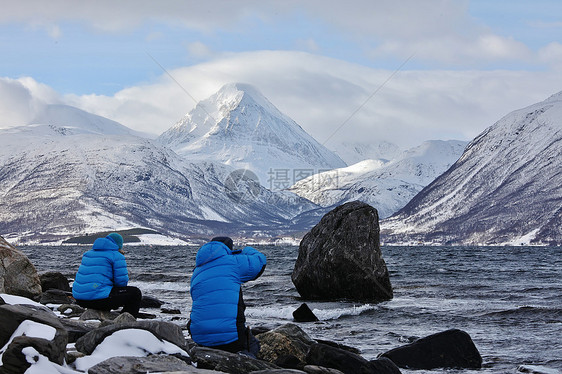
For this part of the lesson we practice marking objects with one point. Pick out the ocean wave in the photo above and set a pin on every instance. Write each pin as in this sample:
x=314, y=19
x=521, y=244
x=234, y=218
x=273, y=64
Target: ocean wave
x=155, y=277
x=286, y=312
x=528, y=312
x=337, y=313
x=161, y=286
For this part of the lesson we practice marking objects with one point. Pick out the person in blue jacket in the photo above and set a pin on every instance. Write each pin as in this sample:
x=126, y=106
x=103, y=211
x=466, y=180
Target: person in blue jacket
x=102, y=278
x=217, y=314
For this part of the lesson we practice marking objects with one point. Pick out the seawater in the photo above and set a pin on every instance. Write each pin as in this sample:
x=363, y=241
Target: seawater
x=507, y=298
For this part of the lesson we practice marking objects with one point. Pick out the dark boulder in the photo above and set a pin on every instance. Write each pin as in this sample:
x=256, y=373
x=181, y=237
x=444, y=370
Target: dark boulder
x=340, y=258
x=383, y=365
x=98, y=315
x=347, y=362
x=162, y=330
x=150, y=302
x=256, y=330
x=279, y=371
x=71, y=310
x=289, y=362
x=448, y=349
x=149, y=364
x=313, y=369
x=234, y=363
x=18, y=276
x=286, y=340
x=76, y=329
x=25, y=318
x=122, y=318
x=339, y=345
x=54, y=280
x=304, y=314
x=56, y=296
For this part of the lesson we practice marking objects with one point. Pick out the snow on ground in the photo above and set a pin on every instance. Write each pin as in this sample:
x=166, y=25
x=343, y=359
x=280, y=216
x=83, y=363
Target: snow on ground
x=525, y=239
x=18, y=300
x=32, y=329
x=41, y=364
x=157, y=239
x=127, y=342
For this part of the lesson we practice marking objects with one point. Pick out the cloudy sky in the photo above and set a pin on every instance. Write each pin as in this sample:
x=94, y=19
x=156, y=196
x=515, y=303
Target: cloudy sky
x=358, y=70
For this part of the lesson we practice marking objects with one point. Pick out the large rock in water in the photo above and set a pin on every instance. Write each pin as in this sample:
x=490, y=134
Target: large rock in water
x=18, y=276
x=340, y=258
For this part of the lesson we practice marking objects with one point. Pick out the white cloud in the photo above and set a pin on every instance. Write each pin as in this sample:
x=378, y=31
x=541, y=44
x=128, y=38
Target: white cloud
x=497, y=47
x=200, y=50
x=321, y=93
x=55, y=32
x=456, y=51
x=552, y=55
x=116, y=16
x=309, y=45
x=436, y=30
x=21, y=99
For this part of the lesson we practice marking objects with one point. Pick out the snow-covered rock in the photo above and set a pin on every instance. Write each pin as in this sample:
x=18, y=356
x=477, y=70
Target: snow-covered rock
x=505, y=189
x=386, y=185
x=238, y=126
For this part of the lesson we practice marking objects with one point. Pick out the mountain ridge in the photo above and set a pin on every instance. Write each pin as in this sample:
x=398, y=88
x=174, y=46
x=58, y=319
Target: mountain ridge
x=386, y=185
x=507, y=174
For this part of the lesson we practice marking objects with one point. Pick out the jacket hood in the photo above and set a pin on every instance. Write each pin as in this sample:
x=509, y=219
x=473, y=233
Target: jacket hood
x=104, y=244
x=210, y=252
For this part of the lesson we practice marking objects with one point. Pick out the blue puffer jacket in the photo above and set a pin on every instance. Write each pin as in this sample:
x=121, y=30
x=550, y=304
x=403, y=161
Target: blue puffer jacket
x=102, y=268
x=217, y=313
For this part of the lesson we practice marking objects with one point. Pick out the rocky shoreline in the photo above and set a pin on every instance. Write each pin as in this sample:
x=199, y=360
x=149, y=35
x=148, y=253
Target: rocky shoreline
x=55, y=335
x=45, y=331
x=36, y=339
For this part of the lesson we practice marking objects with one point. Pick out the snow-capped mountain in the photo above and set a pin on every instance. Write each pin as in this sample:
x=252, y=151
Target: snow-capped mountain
x=386, y=185
x=353, y=153
x=76, y=120
x=505, y=189
x=57, y=182
x=239, y=127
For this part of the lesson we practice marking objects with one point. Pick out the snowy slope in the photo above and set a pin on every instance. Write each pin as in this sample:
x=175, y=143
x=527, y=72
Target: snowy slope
x=57, y=182
x=506, y=187
x=386, y=185
x=239, y=127
x=78, y=121
x=353, y=153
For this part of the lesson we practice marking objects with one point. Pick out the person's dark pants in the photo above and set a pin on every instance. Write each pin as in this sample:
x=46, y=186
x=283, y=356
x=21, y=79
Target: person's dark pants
x=128, y=297
x=247, y=345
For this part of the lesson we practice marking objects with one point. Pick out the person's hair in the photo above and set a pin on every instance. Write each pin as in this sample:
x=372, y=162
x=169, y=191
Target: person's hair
x=225, y=240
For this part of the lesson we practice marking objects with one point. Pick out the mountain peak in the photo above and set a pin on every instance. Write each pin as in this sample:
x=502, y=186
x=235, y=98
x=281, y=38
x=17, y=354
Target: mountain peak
x=238, y=126
x=236, y=88
x=218, y=115
x=555, y=97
